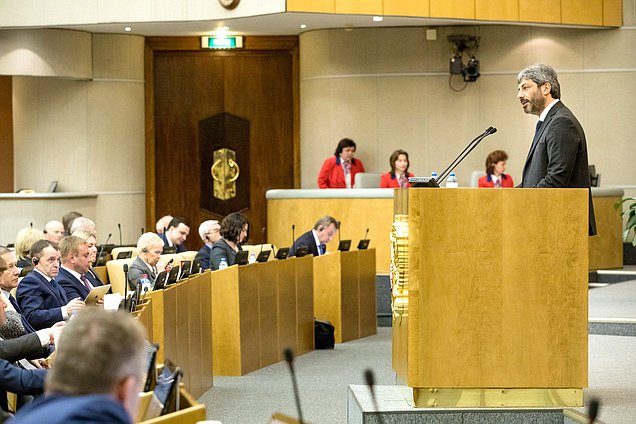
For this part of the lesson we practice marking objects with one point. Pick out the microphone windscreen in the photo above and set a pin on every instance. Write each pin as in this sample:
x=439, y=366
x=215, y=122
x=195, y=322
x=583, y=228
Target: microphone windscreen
x=125, y=267
x=493, y=130
x=289, y=356
x=368, y=377
x=593, y=410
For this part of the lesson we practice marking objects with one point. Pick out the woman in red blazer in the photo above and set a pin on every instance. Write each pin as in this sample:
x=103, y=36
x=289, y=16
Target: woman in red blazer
x=495, y=167
x=399, y=174
x=339, y=171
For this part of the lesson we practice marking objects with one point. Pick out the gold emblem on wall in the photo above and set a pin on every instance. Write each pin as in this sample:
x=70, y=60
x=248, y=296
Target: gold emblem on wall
x=225, y=171
x=399, y=266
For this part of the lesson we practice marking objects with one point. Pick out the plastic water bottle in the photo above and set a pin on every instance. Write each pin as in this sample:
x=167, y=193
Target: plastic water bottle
x=223, y=263
x=145, y=283
x=252, y=258
x=434, y=175
x=451, y=182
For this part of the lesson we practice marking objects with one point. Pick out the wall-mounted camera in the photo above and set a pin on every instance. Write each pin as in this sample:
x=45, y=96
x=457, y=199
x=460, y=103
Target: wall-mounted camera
x=464, y=45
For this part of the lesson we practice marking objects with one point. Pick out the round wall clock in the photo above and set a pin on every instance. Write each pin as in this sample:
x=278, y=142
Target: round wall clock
x=229, y=4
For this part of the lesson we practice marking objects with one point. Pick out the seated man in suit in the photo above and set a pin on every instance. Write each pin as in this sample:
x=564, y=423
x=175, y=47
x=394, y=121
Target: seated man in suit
x=42, y=300
x=83, y=224
x=149, y=261
x=8, y=281
x=317, y=238
x=176, y=234
x=82, y=389
x=54, y=231
x=209, y=232
x=75, y=264
x=91, y=242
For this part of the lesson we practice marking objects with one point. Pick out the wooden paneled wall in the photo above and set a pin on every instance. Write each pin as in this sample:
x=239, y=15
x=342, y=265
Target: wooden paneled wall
x=186, y=84
x=570, y=12
x=6, y=135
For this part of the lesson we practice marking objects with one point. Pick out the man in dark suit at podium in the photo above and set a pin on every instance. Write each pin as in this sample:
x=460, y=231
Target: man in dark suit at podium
x=316, y=239
x=558, y=154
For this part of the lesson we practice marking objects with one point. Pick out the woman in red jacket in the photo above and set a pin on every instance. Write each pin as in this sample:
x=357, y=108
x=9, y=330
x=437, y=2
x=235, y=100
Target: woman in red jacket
x=495, y=168
x=339, y=170
x=399, y=174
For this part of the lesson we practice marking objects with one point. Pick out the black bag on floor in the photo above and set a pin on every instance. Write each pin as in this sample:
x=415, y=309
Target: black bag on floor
x=323, y=334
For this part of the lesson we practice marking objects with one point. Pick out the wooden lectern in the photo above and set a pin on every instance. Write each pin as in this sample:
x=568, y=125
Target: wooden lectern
x=490, y=296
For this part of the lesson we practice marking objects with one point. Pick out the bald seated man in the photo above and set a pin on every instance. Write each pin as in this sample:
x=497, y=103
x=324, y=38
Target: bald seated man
x=54, y=231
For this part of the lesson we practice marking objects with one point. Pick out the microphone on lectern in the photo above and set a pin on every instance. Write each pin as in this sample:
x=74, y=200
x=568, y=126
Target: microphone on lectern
x=263, y=238
x=120, y=239
x=289, y=358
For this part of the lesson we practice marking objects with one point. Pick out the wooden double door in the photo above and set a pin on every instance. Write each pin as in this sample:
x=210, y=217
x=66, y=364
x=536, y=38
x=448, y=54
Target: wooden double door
x=199, y=102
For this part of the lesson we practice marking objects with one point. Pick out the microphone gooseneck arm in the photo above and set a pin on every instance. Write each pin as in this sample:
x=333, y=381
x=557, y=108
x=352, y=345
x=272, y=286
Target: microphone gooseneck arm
x=466, y=152
x=289, y=358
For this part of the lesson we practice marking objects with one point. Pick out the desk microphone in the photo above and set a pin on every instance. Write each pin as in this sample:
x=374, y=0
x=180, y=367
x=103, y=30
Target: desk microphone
x=120, y=239
x=368, y=377
x=293, y=238
x=101, y=249
x=289, y=358
x=466, y=152
x=262, y=238
x=125, y=282
x=339, y=232
x=366, y=233
x=142, y=231
x=32, y=225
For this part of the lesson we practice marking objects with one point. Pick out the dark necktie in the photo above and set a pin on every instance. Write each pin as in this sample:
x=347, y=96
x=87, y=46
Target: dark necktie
x=323, y=249
x=537, y=128
x=85, y=281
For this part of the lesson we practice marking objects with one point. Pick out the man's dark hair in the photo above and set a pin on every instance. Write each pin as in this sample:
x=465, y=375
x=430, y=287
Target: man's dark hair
x=345, y=142
x=232, y=225
x=174, y=222
x=67, y=220
x=39, y=246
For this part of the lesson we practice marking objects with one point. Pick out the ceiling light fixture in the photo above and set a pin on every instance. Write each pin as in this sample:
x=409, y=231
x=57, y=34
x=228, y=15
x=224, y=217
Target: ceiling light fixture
x=303, y=26
x=378, y=19
x=127, y=29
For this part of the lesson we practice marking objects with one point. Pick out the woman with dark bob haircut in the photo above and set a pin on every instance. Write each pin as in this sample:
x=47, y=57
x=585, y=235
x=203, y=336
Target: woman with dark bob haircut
x=495, y=167
x=399, y=175
x=339, y=170
x=234, y=230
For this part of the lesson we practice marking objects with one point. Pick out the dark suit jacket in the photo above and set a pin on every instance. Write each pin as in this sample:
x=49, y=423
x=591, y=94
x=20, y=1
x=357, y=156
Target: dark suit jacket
x=306, y=239
x=180, y=247
x=27, y=326
x=40, y=300
x=204, y=256
x=136, y=270
x=97, y=408
x=220, y=250
x=558, y=156
x=17, y=380
x=24, y=347
x=94, y=278
x=73, y=287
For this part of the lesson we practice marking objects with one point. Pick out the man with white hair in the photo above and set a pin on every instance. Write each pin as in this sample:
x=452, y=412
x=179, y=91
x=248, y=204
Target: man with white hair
x=149, y=261
x=54, y=231
x=83, y=224
x=209, y=232
x=80, y=388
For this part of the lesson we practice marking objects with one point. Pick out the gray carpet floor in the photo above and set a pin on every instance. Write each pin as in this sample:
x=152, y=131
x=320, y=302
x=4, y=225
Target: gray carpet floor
x=323, y=378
